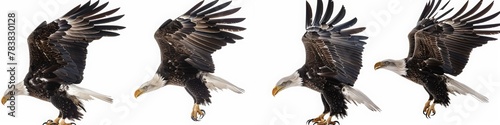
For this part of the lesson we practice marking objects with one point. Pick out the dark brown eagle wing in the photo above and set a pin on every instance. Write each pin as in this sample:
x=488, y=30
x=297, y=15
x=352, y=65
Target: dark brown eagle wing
x=60, y=47
x=200, y=32
x=333, y=50
x=451, y=40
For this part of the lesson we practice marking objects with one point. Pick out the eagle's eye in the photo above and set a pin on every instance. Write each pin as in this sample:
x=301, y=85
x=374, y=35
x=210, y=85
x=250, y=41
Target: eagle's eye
x=287, y=82
x=387, y=63
x=145, y=87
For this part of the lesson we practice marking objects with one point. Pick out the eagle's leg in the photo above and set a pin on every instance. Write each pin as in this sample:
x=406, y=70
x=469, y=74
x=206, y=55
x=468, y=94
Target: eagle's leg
x=320, y=119
x=429, y=109
x=50, y=122
x=200, y=97
x=336, y=100
x=197, y=113
x=57, y=119
x=330, y=122
x=64, y=123
x=429, y=106
x=55, y=122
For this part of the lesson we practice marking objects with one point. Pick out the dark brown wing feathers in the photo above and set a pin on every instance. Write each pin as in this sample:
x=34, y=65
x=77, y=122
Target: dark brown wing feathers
x=333, y=50
x=200, y=32
x=60, y=46
x=451, y=40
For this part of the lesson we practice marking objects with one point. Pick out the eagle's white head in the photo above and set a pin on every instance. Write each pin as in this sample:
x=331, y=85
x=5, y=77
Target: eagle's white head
x=397, y=66
x=287, y=82
x=155, y=83
x=14, y=90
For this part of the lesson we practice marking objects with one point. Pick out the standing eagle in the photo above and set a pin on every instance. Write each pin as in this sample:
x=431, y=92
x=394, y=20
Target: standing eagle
x=439, y=48
x=186, y=45
x=333, y=61
x=57, y=60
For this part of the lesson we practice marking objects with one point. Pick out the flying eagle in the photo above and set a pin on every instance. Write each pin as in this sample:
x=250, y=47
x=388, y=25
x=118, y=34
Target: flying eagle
x=57, y=59
x=333, y=61
x=441, y=47
x=186, y=44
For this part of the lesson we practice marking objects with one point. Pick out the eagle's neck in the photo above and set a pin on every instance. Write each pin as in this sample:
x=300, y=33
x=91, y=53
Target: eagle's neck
x=399, y=67
x=295, y=79
x=158, y=80
x=20, y=89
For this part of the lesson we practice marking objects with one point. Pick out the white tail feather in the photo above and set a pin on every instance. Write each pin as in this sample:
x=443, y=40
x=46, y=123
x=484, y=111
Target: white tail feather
x=456, y=87
x=216, y=83
x=85, y=94
x=357, y=96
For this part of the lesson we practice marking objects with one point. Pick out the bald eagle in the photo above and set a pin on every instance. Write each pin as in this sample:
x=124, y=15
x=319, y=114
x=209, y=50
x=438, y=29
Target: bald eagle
x=186, y=44
x=441, y=47
x=57, y=60
x=333, y=61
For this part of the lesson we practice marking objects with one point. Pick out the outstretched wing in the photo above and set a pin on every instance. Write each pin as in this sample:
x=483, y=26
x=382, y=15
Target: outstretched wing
x=422, y=23
x=58, y=49
x=334, y=48
x=451, y=40
x=200, y=32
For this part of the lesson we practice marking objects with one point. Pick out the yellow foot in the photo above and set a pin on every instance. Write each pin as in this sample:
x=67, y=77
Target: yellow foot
x=317, y=121
x=330, y=122
x=197, y=113
x=429, y=109
x=50, y=122
x=64, y=123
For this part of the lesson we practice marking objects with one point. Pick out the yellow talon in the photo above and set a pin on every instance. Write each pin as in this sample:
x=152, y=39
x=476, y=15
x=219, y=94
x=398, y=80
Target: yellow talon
x=50, y=122
x=197, y=114
x=318, y=121
x=429, y=109
x=330, y=122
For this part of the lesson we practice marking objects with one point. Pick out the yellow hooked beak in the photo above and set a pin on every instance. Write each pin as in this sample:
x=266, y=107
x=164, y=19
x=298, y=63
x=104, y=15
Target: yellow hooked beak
x=276, y=89
x=4, y=100
x=137, y=93
x=378, y=65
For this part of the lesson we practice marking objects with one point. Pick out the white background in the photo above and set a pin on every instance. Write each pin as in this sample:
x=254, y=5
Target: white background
x=271, y=49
